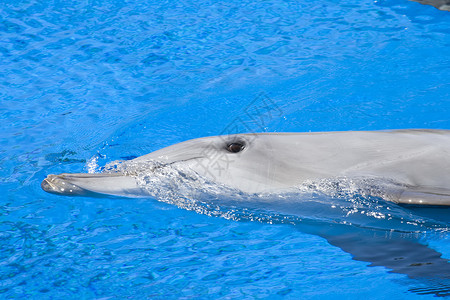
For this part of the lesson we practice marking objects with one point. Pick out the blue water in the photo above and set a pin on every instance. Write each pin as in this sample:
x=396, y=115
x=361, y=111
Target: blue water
x=83, y=83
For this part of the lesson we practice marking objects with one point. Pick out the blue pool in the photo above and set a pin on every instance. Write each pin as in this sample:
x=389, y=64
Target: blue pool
x=84, y=83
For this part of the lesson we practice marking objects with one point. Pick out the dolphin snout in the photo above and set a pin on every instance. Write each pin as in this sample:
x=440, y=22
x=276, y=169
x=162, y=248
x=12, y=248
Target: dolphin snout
x=58, y=184
x=46, y=184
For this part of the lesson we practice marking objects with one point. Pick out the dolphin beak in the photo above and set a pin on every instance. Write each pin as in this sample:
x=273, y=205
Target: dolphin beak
x=92, y=185
x=46, y=185
x=58, y=184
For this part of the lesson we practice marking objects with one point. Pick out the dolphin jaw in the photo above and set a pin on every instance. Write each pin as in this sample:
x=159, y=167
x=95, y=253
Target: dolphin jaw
x=58, y=184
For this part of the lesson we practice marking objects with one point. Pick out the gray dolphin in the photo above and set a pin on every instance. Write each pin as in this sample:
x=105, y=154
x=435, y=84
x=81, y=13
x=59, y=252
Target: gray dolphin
x=411, y=165
x=439, y=4
x=406, y=166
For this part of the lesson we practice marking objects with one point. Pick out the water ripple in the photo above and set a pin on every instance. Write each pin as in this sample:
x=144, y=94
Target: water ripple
x=119, y=79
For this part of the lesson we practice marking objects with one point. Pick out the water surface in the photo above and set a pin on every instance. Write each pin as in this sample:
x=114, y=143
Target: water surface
x=83, y=83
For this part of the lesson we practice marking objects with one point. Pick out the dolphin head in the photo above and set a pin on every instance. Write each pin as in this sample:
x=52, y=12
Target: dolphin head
x=247, y=162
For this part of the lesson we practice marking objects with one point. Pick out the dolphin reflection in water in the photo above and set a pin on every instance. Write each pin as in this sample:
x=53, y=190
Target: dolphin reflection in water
x=402, y=167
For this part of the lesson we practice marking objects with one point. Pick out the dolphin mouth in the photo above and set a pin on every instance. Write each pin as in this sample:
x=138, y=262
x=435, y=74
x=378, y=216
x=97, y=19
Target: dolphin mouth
x=66, y=184
x=61, y=185
x=91, y=184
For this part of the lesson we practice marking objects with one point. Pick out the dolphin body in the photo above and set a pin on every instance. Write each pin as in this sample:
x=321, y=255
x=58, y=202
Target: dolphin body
x=412, y=165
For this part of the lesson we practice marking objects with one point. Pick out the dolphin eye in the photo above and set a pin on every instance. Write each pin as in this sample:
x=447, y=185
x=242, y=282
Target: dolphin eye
x=235, y=147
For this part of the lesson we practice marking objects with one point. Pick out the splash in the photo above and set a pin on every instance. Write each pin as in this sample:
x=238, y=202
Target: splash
x=92, y=164
x=358, y=202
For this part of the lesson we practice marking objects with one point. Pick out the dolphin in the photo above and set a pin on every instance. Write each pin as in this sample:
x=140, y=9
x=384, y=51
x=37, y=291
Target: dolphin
x=410, y=166
x=439, y=4
x=406, y=167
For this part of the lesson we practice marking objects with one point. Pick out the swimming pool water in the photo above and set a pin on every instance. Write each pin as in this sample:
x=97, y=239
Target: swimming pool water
x=83, y=83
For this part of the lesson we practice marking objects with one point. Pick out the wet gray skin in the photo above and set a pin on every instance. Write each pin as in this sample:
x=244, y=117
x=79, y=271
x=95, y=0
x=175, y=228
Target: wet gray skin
x=439, y=4
x=417, y=161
